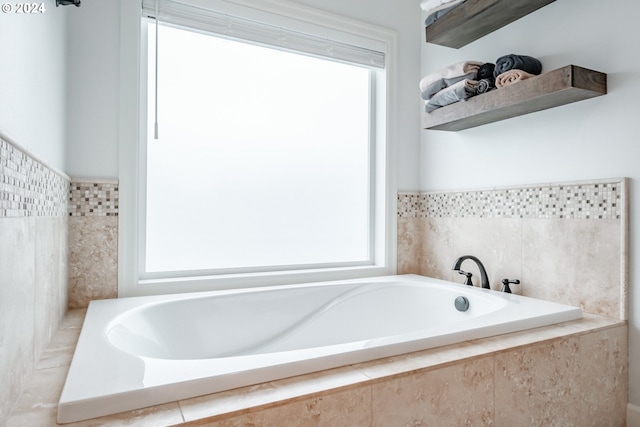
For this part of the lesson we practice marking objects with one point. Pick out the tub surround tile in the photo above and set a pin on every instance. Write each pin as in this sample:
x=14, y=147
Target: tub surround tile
x=604, y=376
x=599, y=199
x=579, y=381
x=17, y=290
x=456, y=395
x=426, y=360
x=574, y=262
x=565, y=242
x=589, y=324
x=410, y=231
x=266, y=395
x=59, y=351
x=29, y=187
x=155, y=416
x=93, y=259
x=436, y=358
x=498, y=240
x=33, y=264
x=437, y=249
x=94, y=198
x=74, y=319
x=349, y=408
x=93, y=241
x=50, y=272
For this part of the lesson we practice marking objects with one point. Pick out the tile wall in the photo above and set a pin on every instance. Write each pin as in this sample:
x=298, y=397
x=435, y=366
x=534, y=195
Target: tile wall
x=564, y=242
x=93, y=241
x=33, y=264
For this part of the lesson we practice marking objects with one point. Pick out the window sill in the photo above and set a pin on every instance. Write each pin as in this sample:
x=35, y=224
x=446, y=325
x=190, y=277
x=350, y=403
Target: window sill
x=251, y=280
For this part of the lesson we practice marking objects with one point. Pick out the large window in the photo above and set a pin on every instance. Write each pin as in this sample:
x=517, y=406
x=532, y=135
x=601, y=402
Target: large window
x=269, y=160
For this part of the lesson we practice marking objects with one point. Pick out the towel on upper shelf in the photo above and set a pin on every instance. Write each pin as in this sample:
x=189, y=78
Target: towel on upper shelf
x=431, y=5
x=486, y=71
x=521, y=62
x=441, y=10
x=485, y=85
x=512, y=76
x=435, y=82
x=460, y=91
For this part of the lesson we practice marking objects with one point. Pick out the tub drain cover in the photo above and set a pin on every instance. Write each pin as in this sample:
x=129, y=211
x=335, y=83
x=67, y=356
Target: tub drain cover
x=461, y=303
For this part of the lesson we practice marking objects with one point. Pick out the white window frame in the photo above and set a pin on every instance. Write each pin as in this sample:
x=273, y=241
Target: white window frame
x=133, y=112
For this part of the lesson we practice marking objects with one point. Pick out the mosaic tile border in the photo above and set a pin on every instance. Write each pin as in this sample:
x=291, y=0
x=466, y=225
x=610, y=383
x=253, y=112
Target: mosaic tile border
x=28, y=187
x=594, y=200
x=93, y=199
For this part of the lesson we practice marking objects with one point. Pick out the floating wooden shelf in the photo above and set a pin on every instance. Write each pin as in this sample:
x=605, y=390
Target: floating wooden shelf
x=476, y=18
x=558, y=87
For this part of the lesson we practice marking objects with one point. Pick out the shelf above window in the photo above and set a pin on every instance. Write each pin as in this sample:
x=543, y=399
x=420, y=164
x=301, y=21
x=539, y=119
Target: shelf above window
x=476, y=18
x=558, y=87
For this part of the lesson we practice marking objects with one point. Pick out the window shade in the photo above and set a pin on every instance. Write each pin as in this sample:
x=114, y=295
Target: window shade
x=235, y=27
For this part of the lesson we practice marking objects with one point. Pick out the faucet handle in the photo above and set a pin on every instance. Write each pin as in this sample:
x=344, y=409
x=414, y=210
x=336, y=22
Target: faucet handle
x=468, y=275
x=507, y=282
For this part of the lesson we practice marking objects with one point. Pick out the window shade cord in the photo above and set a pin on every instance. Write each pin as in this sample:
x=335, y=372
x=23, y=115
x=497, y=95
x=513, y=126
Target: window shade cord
x=155, y=125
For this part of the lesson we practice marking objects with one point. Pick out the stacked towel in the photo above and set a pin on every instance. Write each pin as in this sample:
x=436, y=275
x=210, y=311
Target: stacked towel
x=431, y=5
x=435, y=82
x=438, y=11
x=485, y=85
x=459, y=91
x=511, y=77
x=486, y=71
x=525, y=63
x=486, y=81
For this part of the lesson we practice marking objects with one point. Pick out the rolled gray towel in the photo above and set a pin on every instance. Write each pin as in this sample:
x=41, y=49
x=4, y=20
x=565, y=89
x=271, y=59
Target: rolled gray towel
x=460, y=91
x=485, y=85
x=521, y=62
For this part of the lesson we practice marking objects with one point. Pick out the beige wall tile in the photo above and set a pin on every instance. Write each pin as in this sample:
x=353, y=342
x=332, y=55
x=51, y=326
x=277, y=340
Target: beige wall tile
x=604, y=379
x=496, y=242
x=349, y=408
x=576, y=262
x=51, y=276
x=536, y=386
x=437, y=248
x=456, y=395
x=409, y=245
x=17, y=323
x=93, y=259
x=270, y=394
x=579, y=381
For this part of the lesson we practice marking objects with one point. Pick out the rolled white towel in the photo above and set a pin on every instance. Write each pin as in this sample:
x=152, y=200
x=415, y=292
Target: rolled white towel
x=460, y=91
x=432, y=83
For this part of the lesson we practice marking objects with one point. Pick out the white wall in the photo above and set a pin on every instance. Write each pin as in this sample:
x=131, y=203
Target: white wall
x=33, y=81
x=92, y=148
x=596, y=138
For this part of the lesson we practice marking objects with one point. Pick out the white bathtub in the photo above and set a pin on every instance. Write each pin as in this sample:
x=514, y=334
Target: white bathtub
x=143, y=351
